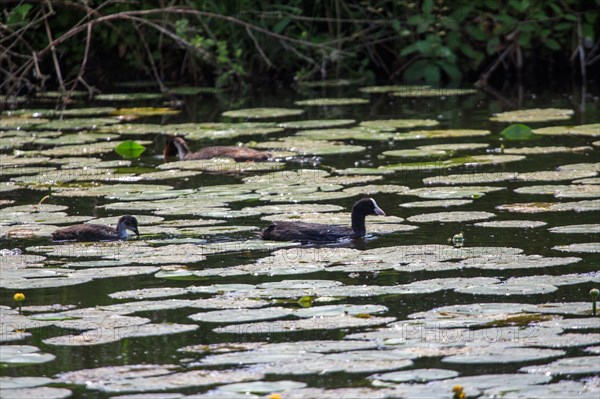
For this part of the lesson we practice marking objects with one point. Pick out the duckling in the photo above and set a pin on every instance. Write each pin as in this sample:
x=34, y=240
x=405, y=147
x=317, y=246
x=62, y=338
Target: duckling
x=177, y=145
x=98, y=232
x=315, y=232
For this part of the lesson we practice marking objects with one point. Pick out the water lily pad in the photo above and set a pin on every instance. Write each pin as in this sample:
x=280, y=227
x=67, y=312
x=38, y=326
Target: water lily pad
x=339, y=310
x=569, y=366
x=393, y=124
x=533, y=115
x=559, y=390
x=262, y=113
x=418, y=375
x=518, y=224
x=431, y=92
x=328, y=323
x=130, y=149
x=576, y=229
x=241, y=315
x=316, y=123
x=416, y=153
x=503, y=354
x=391, y=88
x=454, y=146
x=563, y=191
x=38, y=392
x=128, y=96
x=456, y=216
x=581, y=130
x=262, y=386
x=309, y=147
x=57, y=113
x=589, y=247
x=20, y=123
x=536, y=207
x=435, y=203
x=23, y=354
x=507, y=289
x=324, y=102
x=23, y=382
x=76, y=124
x=545, y=150
x=517, y=132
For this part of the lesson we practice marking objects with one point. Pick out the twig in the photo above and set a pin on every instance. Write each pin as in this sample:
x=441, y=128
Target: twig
x=485, y=76
x=260, y=50
x=54, y=57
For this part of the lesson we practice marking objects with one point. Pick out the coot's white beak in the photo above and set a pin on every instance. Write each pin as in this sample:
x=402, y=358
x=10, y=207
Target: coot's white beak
x=379, y=211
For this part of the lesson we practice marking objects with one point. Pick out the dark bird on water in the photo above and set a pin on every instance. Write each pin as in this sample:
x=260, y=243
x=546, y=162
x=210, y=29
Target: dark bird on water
x=98, y=232
x=316, y=232
x=177, y=146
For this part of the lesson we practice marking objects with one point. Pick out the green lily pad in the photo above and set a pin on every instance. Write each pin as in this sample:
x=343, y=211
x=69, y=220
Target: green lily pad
x=241, y=315
x=576, y=229
x=536, y=207
x=517, y=132
x=589, y=247
x=77, y=124
x=418, y=375
x=503, y=354
x=20, y=123
x=431, y=92
x=533, y=115
x=393, y=124
x=324, y=102
x=435, y=203
x=11, y=355
x=130, y=149
x=510, y=224
x=545, y=150
x=454, y=146
x=416, y=153
x=38, y=392
x=445, y=217
x=128, y=96
x=124, y=113
x=310, y=147
x=391, y=88
x=316, y=124
x=581, y=130
x=262, y=113
x=569, y=366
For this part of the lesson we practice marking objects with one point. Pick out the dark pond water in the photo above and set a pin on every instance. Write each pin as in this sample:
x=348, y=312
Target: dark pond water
x=402, y=270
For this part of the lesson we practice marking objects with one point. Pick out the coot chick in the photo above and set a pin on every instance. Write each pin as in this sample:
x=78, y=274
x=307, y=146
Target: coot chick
x=98, y=232
x=178, y=146
x=315, y=232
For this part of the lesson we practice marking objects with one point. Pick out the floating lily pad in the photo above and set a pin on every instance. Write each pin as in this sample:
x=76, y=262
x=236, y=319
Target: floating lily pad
x=393, y=124
x=418, y=375
x=431, y=92
x=241, y=315
x=324, y=102
x=576, y=229
x=391, y=88
x=536, y=207
x=533, y=115
x=435, y=203
x=38, y=392
x=54, y=113
x=310, y=147
x=589, y=247
x=23, y=354
x=23, y=382
x=77, y=124
x=517, y=132
x=503, y=354
x=128, y=96
x=456, y=216
x=20, y=123
x=569, y=366
x=339, y=310
x=507, y=289
x=316, y=124
x=519, y=224
x=559, y=390
x=581, y=130
x=544, y=150
x=416, y=153
x=125, y=113
x=454, y=146
x=328, y=323
x=262, y=113
x=130, y=149
x=563, y=191
x=262, y=386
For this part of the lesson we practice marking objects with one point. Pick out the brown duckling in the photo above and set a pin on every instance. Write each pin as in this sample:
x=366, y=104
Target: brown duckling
x=315, y=232
x=98, y=232
x=177, y=146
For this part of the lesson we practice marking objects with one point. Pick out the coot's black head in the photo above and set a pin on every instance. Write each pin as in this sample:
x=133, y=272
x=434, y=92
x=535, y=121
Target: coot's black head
x=366, y=206
x=129, y=223
x=171, y=146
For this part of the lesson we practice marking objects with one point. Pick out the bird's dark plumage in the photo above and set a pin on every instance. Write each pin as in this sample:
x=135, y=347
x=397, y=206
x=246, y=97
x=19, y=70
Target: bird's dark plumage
x=178, y=146
x=315, y=232
x=97, y=232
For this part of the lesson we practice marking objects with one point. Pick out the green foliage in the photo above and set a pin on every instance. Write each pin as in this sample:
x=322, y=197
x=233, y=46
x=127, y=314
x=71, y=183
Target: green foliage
x=517, y=132
x=130, y=149
x=226, y=43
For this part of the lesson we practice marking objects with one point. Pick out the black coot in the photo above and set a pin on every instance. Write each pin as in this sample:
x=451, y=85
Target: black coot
x=315, y=232
x=98, y=232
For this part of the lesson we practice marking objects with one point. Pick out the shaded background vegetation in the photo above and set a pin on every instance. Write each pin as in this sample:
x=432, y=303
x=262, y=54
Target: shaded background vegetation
x=226, y=44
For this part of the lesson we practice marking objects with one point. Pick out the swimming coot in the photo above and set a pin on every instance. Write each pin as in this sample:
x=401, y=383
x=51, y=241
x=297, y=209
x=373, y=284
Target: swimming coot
x=98, y=232
x=300, y=231
x=178, y=146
